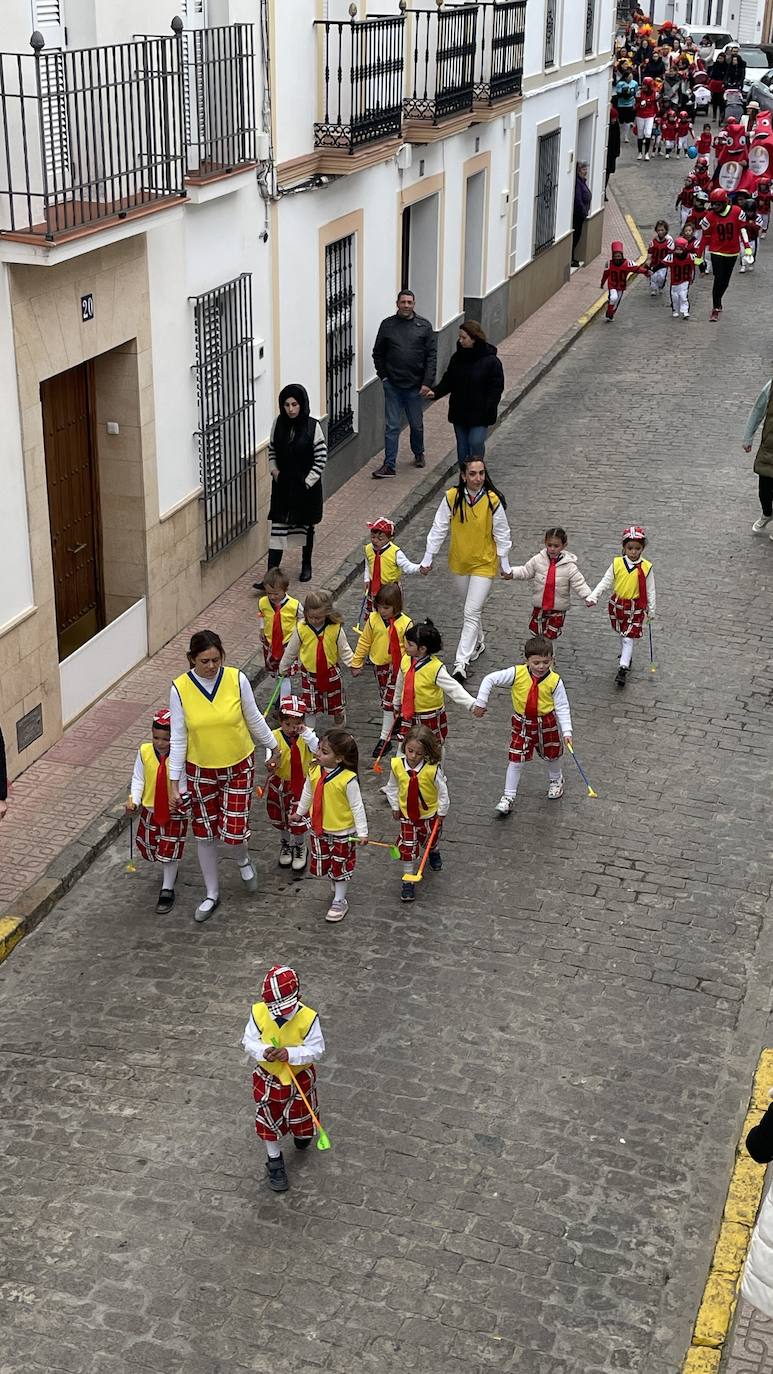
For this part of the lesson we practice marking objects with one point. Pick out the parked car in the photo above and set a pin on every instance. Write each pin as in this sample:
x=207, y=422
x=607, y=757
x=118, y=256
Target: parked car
x=718, y=37
x=758, y=58
x=762, y=91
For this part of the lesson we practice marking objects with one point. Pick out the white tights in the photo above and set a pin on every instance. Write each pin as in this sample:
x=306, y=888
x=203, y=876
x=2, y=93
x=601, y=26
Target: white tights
x=514, y=770
x=207, y=854
x=169, y=874
x=626, y=651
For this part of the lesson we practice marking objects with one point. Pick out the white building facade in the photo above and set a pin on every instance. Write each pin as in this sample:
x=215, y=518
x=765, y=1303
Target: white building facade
x=750, y=21
x=192, y=218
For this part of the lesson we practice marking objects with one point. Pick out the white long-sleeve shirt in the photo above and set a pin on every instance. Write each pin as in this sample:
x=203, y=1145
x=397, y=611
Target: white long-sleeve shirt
x=404, y=564
x=138, y=780
x=354, y=798
x=293, y=649
x=505, y=677
x=309, y=1052
x=309, y=738
x=608, y=581
x=449, y=685
x=443, y=800
x=254, y=721
x=442, y=524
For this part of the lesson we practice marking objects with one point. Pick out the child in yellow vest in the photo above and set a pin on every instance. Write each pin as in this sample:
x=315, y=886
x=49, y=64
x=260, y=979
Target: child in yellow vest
x=418, y=795
x=332, y=799
x=319, y=643
x=382, y=641
x=631, y=582
x=278, y=615
x=424, y=682
x=384, y=561
x=282, y=1031
x=297, y=746
x=161, y=830
x=541, y=717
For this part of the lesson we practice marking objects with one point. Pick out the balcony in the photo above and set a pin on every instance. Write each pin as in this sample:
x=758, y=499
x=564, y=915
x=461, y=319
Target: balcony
x=499, y=62
x=440, y=84
x=362, y=90
x=219, y=102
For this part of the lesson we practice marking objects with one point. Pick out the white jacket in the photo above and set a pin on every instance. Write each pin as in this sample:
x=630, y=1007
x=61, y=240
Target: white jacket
x=757, y=1281
x=568, y=577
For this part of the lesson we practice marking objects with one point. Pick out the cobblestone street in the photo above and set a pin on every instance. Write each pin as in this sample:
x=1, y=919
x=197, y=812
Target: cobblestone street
x=536, y=1075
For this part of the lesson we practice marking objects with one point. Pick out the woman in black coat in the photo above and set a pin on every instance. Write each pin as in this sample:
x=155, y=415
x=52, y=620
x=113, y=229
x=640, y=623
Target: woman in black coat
x=297, y=454
x=474, y=382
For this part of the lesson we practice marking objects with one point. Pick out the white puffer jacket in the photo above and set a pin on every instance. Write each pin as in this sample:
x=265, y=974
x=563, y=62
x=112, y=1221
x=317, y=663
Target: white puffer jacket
x=757, y=1281
x=568, y=577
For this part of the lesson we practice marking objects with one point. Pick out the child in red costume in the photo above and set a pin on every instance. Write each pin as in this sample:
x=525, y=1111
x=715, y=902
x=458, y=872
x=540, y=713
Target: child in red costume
x=162, y=829
x=615, y=277
x=763, y=203
x=684, y=201
x=668, y=125
x=660, y=246
x=681, y=266
x=685, y=133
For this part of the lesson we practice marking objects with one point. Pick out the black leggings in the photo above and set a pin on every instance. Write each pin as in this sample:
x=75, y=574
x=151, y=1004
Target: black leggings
x=766, y=495
x=722, y=265
x=275, y=555
x=717, y=103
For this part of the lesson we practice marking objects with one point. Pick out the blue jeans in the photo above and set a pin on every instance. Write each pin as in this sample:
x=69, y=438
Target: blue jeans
x=396, y=400
x=470, y=443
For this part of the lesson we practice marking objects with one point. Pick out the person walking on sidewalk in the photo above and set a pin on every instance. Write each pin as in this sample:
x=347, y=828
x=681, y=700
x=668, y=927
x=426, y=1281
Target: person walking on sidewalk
x=582, y=203
x=763, y=463
x=405, y=358
x=473, y=381
x=214, y=723
x=297, y=454
x=474, y=514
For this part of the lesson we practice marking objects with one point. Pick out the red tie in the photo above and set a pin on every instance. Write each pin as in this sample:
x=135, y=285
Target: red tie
x=408, y=707
x=549, y=594
x=395, y=651
x=316, y=806
x=297, y=777
x=323, y=676
x=375, y=577
x=161, y=813
x=277, y=641
x=642, y=600
x=532, y=700
x=414, y=798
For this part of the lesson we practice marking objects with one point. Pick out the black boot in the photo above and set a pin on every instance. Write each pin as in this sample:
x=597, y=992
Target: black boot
x=621, y=677
x=277, y=1175
x=274, y=560
x=308, y=549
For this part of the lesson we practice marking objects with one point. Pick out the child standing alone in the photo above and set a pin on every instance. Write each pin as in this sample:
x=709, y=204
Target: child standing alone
x=418, y=796
x=332, y=795
x=631, y=582
x=556, y=575
x=161, y=831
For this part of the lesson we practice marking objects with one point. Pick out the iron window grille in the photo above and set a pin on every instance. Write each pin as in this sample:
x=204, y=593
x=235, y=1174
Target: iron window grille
x=441, y=64
x=590, y=25
x=551, y=20
x=225, y=390
x=502, y=31
x=339, y=340
x=362, y=65
x=546, y=198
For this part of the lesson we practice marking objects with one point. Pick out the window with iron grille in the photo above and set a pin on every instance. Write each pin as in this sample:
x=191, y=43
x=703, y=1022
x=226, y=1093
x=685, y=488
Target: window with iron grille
x=590, y=24
x=547, y=190
x=226, y=395
x=339, y=340
x=551, y=20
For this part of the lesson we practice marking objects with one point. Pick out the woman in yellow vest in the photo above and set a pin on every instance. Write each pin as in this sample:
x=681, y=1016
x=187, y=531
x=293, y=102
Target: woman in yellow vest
x=631, y=582
x=282, y=1032
x=161, y=831
x=474, y=514
x=332, y=800
x=418, y=795
x=215, y=726
x=382, y=641
x=319, y=644
x=541, y=719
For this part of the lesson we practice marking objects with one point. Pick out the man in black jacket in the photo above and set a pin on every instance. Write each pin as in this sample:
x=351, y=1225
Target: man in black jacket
x=405, y=357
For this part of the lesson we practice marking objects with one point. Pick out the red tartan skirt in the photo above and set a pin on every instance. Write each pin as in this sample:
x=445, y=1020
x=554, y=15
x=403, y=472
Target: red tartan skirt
x=414, y=836
x=327, y=703
x=436, y=721
x=279, y=803
x=281, y=1110
x=332, y=856
x=220, y=800
x=626, y=617
x=541, y=734
x=161, y=844
x=549, y=624
x=386, y=677
x=272, y=664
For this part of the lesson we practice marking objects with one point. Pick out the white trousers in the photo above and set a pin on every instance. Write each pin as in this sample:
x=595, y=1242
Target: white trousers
x=685, y=142
x=473, y=590
x=684, y=215
x=680, y=298
x=644, y=127
x=658, y=280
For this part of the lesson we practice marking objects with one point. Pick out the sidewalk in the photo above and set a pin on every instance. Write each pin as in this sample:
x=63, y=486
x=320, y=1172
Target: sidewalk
x=69, y=804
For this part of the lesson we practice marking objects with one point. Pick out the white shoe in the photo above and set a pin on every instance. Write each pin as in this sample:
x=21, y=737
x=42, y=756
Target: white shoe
x=639, y=158
x=459, y=673
x=300, y=856
x=337, y=911
x=480, y=648
x=675, y=314
x=646, y=157
x=556, y=789
x=249, y=877
x=505, y=804
x=285, y=854
x=761, y=524
x=742, y=268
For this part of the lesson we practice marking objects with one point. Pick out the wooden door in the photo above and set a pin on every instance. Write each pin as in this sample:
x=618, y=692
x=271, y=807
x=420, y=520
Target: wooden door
x=73, y=504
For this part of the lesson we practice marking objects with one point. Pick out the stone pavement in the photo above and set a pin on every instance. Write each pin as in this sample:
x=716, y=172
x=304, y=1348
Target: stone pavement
x=536, y=1076
x=45, y=835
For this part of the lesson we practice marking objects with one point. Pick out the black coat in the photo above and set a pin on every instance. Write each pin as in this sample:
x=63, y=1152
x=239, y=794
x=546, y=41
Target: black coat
x=613, y=145
x=292, y=449
x=474, y=382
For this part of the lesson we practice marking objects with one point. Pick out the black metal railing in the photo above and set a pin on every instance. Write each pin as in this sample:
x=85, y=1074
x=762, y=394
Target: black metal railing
x=551, y=24
x=441, y=62
x=501, y=35
x=339, y=339
x=546, y=198
x=362, y=65
x=220, y=109
x=590, y=25
x=225, y=389
x=87, y=134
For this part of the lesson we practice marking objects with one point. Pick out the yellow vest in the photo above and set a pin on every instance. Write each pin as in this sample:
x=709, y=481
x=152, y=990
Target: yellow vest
x=522, y=685
x=626, y=584
x=150, y=767
x=379, y=643
x=427, y=786
x=390, y=571
x=288, y=612
x=309, y=638
x=292, y=1033
x=473, y=550
x=429, y=697
x=283, y=768
x=217, y=731
x=336, y=811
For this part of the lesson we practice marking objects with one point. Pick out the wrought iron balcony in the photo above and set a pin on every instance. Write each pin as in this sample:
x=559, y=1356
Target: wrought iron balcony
x=89, y=135
x=441, y=63
x=499, y=66
x=362, y=65
x=220, y=110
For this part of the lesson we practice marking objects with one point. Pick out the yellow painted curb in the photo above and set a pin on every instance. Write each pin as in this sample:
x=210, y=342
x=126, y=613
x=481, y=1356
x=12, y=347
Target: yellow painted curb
x=592, y=311
x=11, y=932
x=640, y=244
x=743, y=1199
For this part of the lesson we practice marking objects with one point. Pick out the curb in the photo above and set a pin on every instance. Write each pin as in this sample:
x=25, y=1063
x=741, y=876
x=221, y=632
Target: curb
x=34, y=903
x=720, y=1293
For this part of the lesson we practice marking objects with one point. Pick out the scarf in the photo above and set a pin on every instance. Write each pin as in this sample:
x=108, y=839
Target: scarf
x=297, y=775
x=413, y=805
x=161, y=812
x=375, y=578
x=322, y=670
x=395, y=651
x=532, y=700
x=277, y=641
x=549, y=594
x=316, y=806
x=408, y=707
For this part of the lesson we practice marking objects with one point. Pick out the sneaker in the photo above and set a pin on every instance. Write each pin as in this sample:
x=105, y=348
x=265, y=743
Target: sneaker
x=621, y=677
x=480, y=648
x=761, y=524
x=407, y=892
x=675, y=314
x=384, y=471
x=436, y=858
x=742, y=268
x=667, y=156
x=639, y=158
x=505, y=804
x=460, y=673
x=575, y=262
x=419, y=461
x=300, y=857
x=276, y=1175
x=337, y=911
x=249, y=877
x=556, y=789
x=205, y=909
x=646, y=157
x=382, y=746
x=714, y=316
x=166, y=900
x=285, y=854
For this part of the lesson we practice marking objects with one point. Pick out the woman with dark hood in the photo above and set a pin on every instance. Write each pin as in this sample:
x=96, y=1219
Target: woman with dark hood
x=717, y=78
x=297, y=454
x=474, y=382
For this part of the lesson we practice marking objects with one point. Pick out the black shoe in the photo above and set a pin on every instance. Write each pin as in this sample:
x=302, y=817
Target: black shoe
x=419, y=461
x=621, y=677
x=408, y=892
x=302, y=1142
x=277, y=1175
x=305, y=572
x=166, y=900
x=575, y=262
x=435, y=860
x=384, y=471
x=382, y=746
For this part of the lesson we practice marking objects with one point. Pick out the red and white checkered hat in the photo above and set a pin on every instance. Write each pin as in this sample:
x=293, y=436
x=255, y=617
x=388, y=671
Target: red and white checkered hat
x=281, y=989
x=162, y=718
x=294, y=707
x=633, y=532
x=383, y=525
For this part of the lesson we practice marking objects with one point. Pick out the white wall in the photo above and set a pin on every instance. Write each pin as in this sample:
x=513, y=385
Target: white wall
x=16, y=582
x=295, y=78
